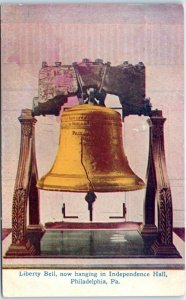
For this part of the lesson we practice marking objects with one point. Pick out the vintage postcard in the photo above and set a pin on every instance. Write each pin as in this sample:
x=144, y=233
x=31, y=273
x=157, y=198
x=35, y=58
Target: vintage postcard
x=92, y=150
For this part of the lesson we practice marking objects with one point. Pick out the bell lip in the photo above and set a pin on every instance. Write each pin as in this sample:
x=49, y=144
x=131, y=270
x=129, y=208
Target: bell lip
x=91, y=185
x=129, y=189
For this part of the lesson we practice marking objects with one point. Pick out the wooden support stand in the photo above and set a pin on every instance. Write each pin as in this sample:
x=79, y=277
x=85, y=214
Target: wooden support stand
x=158, y=192
x=25, y=191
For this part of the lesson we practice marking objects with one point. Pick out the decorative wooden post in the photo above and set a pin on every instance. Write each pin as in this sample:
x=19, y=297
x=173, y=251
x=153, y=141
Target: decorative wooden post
x=158, y=191
x=34, y=201
x=149, y=228
x=25, y=188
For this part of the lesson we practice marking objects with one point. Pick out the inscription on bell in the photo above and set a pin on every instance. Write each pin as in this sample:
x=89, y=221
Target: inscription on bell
x=80, y=133
x=86, y=137
x=88, y=124
x=85, y=118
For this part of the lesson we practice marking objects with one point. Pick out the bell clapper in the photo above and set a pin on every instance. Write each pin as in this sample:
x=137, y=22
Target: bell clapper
x=90, y=198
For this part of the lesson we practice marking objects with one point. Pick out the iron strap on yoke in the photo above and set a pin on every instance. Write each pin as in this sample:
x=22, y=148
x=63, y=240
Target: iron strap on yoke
x=80, y=81
x=103, y=77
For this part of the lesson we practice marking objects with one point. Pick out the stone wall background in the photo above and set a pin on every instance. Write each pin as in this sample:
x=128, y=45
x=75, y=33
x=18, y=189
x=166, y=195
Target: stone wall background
x=151, y=33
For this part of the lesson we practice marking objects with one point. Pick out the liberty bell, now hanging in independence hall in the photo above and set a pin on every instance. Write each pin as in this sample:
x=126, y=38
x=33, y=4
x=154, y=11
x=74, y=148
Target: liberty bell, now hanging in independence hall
x=90, y=156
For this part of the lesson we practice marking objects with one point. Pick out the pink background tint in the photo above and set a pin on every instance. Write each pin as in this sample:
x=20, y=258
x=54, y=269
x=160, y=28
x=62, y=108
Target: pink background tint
x=150, y=33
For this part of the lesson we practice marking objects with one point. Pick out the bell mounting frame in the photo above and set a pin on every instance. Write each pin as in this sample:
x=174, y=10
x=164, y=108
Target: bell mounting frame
x=126, y=81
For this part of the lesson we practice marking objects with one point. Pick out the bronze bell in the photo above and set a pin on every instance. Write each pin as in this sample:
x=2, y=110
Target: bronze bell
x=90, y=155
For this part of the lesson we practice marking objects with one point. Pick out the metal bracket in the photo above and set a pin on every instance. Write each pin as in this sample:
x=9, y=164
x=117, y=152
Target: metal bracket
x=120, y=217
x=64, y=214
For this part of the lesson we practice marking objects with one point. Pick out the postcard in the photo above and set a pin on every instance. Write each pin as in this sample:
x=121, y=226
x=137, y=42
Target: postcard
x=92, y=150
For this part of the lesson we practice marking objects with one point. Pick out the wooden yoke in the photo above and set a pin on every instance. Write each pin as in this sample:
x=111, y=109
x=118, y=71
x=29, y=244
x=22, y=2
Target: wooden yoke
x=25, y=188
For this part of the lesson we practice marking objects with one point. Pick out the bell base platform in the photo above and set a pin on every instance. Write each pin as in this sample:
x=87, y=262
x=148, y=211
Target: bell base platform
x=91, y=248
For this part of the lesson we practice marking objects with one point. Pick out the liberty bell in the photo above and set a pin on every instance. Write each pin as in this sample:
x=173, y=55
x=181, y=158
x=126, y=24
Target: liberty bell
x=90, y=156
